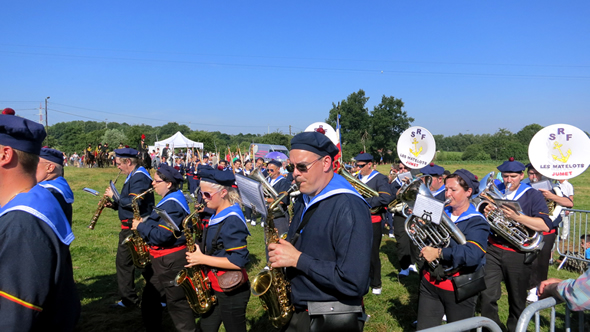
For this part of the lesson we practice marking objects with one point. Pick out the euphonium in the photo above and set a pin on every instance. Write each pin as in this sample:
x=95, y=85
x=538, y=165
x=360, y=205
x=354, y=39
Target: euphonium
x=270, y=285
x=514, y=232
x=104, y=200
x=362, y=188
x=268, y=190
x=137, y=247
x=194, y=280
x=423, y=231
x=407, y=193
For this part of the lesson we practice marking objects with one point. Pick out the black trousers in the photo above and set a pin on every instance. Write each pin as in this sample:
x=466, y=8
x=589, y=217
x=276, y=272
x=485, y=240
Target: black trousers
x=301, y=322
x=248, y=213
x=540, y=266
x=375, y=267
x=406, y=250
x=126, y=271
x=229, y=310
x=508, y=266
x=160, y=275
x=435, y=302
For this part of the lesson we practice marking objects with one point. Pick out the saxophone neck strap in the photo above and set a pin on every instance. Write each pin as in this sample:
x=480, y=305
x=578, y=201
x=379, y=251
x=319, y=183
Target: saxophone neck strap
x=304, y=222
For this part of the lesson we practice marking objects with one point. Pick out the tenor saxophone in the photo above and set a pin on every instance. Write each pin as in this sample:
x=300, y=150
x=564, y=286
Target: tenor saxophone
x=194, y=280
x=270, y=285
x=139, y=250
x=101, y=205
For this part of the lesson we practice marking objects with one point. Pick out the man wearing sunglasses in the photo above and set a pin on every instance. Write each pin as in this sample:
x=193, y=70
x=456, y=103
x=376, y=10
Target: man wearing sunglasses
x=437, y=186
x=279, y=184
x=378, y=182
x=328, y=247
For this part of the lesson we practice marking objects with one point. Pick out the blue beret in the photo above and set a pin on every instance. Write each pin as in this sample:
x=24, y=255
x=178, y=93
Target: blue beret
x=218, y=176
x=276, y=163
x=364, y=157
x=126, y=153
x=170, y=173
x=470, y=179
x=21, y=134
x=511, y=166
x=260, y=158
x=432, y=169
x=202, y=167
x=52, y=155
x=315, y=142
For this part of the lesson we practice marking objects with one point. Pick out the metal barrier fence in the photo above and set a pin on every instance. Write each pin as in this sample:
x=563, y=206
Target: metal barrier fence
x=536, y=307
x=574, y=225
x=466, y=325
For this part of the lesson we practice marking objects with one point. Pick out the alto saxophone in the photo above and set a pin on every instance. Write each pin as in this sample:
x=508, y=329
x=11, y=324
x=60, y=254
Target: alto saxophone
x=270, y=285
x=193, y=280
x=101, y=205
x=139, y=250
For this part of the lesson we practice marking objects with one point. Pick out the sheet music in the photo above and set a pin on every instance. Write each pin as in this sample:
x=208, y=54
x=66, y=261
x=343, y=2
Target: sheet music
x=166, y=218
x=428, y=208
x=402, y=176
x=545, y=184
x=251, y=194
x=116, y=194
x=513, y=205
x=91, y=191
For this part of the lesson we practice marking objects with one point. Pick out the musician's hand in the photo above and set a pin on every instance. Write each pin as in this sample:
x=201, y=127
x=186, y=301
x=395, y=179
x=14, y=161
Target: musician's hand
x=548, y=194
x=546, y=287
x=194, y=258
x=202, y=209
x=283, y=254
x=489, y=208
x=269, y=200
x=509, y=213
x=135, y=224
x=108, y=204
x=429, y=254
x=108, y=192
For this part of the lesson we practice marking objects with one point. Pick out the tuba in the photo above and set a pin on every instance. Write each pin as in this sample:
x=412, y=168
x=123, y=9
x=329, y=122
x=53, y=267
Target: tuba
x=407, y=193
x=515, y=233
x=362, y=188
x=101, y=205
x=270, y=285
x=140, y=253
x=422, y=231
x=194, y=280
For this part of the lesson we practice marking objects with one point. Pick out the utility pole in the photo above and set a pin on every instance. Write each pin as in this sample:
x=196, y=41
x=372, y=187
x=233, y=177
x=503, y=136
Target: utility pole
x=40, y=113
x=46, y=122
x=290, y=130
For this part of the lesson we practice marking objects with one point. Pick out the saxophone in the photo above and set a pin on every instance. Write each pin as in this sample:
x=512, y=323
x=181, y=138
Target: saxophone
x=101, y=205
x=193, y=280
x=270, y=285
x=137, y=247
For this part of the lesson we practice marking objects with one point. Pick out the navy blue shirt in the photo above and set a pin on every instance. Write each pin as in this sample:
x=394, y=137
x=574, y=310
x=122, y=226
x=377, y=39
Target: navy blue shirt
x=60, y=189
x=231, y=242
x=138, y=181
x=379, y=183
x=156, y=232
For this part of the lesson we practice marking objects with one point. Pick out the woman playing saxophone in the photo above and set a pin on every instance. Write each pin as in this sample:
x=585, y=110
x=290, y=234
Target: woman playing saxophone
x=437, y=297
x=224, y=252
x=167, y=253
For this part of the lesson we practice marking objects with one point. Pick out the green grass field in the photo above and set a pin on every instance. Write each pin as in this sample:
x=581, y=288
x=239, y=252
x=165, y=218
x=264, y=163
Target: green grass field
x=93, y=254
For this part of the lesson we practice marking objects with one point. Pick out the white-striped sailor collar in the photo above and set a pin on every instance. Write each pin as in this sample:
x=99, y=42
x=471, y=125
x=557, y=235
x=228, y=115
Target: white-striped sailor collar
x=398, y=181
x=140, y=169
x=522, y=188
x=368, y=177
x=469, y=213
x=274, y=181
x=53, y=217
x=338, y=185
x=178, y=197
x=441, y=189
x=233, y=210
x=61, y=185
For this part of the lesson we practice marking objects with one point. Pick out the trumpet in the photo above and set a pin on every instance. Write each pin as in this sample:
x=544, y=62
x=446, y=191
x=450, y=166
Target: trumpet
x=362, y=188
x=101, y=205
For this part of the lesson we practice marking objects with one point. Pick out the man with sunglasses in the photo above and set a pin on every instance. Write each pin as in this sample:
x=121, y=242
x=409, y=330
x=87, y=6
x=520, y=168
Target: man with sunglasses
x=138, y=181
x=437, y=186
x=378, y=182
x=328, y=247
x=279, y=184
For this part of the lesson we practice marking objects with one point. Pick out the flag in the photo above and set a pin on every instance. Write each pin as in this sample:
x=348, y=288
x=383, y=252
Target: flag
x=338, y=158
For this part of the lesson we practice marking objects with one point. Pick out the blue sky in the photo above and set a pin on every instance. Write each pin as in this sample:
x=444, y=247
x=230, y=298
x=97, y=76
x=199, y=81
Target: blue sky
x=255, y=66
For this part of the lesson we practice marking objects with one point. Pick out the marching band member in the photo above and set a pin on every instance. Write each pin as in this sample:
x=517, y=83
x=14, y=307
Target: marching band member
x=328, y=251
x=378, y=182
x=191, y=175
x=279, y=184
x=37, y=290
x=406, y=250
x=238, y=167
x=504, y=262
x=138, y=180
x=224, y=250
x=260, y=164
x=437, y=297
x=250, y=217
x=437, y=186
x=50, y=176
x=540, y=266
x=167, y=253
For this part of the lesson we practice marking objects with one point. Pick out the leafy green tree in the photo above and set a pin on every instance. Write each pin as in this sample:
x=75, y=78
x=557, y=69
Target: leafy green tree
x=525, y=135
x=354, y=122
x=475, y=152
x=388, y=122
x=276, y=138
x=171, y=128
x=113, y=137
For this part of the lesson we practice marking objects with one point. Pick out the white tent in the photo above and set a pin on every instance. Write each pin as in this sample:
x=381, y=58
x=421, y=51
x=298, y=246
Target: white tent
x=176, y=141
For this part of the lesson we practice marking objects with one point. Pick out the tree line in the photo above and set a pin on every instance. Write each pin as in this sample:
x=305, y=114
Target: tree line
x=376, y=131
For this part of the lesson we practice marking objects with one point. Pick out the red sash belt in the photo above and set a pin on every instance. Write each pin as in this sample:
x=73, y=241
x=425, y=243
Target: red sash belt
x=157, y=252
x=446, y=284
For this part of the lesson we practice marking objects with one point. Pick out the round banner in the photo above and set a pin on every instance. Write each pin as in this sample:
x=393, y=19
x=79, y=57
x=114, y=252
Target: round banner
x=416, y=147
x=560, y=151
x=325, y=129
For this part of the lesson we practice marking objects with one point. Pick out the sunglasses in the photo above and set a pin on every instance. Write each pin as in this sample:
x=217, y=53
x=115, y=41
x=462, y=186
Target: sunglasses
x=361, y=165
x=210, y=195
x=303, y=168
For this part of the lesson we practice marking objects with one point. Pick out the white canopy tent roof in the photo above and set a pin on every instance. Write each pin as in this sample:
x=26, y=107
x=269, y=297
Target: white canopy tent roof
x=176, y=141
